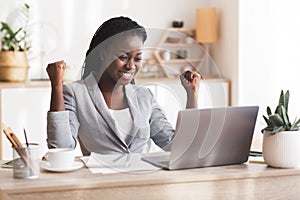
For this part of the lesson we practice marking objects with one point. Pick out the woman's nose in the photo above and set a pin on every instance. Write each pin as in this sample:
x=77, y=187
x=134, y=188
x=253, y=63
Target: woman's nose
x=130, y=64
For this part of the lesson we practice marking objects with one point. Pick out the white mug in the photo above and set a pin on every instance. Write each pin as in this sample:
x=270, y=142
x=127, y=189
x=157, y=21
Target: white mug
x=61, y=157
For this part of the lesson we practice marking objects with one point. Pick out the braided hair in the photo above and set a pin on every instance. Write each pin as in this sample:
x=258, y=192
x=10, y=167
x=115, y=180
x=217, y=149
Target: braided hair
x=103, y=37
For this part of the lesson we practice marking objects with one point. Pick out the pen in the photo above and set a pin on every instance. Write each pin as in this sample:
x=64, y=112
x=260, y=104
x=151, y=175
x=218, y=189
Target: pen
x=26, y=137
x=14, y=140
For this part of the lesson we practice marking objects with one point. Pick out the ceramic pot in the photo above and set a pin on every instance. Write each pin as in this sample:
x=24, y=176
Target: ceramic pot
x=282, y=149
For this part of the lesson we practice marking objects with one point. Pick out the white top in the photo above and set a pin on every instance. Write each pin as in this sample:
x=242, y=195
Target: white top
x=124, y=124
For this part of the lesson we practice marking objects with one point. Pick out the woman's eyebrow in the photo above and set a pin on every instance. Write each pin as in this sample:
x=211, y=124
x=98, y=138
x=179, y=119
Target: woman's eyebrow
x=126, y=52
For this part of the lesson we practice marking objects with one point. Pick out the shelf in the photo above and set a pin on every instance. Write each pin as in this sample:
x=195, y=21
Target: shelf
x=177, y=42
x=26, y=84
x=188, y=31
x=187, y=60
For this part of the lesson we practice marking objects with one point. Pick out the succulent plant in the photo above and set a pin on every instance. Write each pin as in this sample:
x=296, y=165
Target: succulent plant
x=279, y=121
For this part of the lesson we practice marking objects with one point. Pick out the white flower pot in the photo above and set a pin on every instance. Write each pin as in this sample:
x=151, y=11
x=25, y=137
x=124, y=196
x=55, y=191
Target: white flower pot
x=282, y=149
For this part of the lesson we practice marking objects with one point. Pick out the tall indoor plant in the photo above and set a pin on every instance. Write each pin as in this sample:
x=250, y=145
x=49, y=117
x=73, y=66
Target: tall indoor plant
x=13, y=58
x=281, y=140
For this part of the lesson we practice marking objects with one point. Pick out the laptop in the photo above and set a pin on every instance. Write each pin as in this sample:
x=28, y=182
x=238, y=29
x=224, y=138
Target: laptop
x=209, y=137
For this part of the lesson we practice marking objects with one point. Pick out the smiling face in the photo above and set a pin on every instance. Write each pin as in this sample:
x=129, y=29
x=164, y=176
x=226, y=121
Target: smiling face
x=124, y=59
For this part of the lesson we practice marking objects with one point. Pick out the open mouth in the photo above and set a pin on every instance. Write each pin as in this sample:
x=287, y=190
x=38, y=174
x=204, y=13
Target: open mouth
x=127, y=75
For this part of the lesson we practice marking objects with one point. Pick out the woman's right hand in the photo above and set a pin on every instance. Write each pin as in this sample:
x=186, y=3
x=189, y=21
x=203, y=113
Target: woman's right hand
x=56, y=75
x=56, y=72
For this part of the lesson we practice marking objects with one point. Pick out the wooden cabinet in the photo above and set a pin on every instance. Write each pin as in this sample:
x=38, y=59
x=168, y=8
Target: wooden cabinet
x=24, y=105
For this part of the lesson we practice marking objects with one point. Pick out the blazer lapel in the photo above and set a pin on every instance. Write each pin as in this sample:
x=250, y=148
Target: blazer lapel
x=100, y=104
x=132, y=100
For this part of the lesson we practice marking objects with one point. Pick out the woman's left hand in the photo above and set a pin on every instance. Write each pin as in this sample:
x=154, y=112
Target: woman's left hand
x=191, y=81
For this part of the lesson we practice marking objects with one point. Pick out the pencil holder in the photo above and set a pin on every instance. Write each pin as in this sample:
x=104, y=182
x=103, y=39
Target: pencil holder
x=26, y=161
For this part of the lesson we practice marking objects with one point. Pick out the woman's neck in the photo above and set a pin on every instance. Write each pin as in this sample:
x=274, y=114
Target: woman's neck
x=114, y=95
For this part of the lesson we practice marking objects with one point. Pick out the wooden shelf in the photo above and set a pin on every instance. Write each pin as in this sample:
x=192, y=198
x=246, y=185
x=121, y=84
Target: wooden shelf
x=167, y=44
x=26, y=84
x=188, y=31
x=179, y=61
x=183, y=40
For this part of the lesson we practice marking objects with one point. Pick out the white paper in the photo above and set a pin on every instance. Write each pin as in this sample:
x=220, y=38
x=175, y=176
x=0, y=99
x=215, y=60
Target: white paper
x=98, y=163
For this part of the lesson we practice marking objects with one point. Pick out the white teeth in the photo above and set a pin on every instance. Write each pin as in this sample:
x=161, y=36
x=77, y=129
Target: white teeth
x=126, y=74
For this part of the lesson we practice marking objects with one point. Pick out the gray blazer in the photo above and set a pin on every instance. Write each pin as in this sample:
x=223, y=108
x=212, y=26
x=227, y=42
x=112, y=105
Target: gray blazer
x=87, y=118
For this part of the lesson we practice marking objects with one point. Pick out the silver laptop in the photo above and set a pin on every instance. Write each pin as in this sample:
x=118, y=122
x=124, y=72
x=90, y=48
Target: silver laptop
x=209, y=137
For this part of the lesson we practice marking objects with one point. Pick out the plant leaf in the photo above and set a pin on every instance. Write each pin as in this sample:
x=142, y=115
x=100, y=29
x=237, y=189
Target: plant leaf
x=267, y=120
x=6, y=27
x=281, y=98
x=286, y=100
x=276, y=130
x=277, y=110
x=267, y=129
x=297, y=122
x=269, y=112
x=276, y=120
x=295, y=125
x=26, y=6
x=285, y=118
x=16, y=40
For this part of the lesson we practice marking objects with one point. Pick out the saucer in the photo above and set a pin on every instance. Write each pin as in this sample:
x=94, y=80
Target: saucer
x=47, y=166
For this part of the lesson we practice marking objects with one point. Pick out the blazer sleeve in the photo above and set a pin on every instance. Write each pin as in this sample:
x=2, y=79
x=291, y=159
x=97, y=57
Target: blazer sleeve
x=62, y=126
x=161, y=131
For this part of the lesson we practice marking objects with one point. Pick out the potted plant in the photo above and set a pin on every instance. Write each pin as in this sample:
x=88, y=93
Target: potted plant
x=13, y=58
x=281, y=139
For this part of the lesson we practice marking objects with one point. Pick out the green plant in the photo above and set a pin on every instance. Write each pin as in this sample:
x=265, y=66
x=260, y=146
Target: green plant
x=15, y=40
x=279, y=121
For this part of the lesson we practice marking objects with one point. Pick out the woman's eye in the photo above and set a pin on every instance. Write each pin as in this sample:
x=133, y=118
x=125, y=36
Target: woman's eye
x=123, y=57
x=138, y=59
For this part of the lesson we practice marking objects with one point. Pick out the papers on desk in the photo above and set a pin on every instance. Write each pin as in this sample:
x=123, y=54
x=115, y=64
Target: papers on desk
x=106, y=164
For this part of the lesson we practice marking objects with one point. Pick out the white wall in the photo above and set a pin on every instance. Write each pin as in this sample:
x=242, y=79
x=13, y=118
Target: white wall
x=68, y=25
x=269, y=55
x=258, y=49
x=225, y=50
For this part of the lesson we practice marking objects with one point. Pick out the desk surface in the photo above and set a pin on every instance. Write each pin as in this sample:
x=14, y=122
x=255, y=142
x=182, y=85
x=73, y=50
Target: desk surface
x=246, y=181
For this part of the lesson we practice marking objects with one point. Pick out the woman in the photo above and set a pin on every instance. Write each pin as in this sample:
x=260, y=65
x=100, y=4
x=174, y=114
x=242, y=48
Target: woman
x=105, y=111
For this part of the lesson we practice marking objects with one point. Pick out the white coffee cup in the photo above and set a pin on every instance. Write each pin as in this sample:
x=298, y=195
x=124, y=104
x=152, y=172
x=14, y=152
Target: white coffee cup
x=61, y=157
